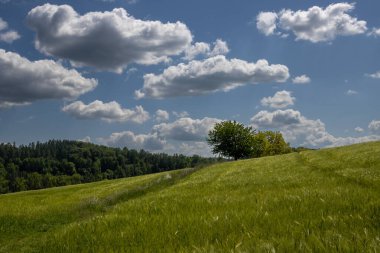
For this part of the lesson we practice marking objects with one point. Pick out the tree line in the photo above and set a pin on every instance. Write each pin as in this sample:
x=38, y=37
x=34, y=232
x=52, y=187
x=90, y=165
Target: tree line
x=62, y=162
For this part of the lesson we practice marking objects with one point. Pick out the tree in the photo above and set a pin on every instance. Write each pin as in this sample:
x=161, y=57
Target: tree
x=34, y=181
x=3, y=179
x=277, y=144
x=261, y=145
x=231, y=139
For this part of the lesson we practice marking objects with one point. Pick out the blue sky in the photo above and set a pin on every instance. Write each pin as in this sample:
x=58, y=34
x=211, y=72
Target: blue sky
x=158, y=74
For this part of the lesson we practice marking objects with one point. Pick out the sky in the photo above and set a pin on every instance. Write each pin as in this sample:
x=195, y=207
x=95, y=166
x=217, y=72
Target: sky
x=157, y=75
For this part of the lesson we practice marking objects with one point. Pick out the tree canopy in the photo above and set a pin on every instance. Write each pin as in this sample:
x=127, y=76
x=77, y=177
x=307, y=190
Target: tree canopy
x=233, y=139
x=56, y=163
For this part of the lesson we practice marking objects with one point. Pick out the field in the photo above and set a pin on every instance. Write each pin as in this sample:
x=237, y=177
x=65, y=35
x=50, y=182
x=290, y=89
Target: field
x=313, y=201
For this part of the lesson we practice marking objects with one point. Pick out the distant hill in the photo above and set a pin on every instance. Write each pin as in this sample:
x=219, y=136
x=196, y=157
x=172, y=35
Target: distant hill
x=312, y=201
x=62, y=162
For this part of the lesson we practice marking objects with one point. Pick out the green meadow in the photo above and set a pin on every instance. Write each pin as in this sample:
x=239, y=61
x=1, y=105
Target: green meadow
x=314, y=201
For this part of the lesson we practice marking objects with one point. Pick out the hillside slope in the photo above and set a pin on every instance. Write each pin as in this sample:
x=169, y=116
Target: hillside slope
x=326, y=200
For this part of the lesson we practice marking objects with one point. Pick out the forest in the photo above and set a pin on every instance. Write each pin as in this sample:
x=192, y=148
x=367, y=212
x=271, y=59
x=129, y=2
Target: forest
x=63, y=162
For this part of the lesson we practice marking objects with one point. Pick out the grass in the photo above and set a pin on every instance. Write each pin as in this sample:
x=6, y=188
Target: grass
x=313, y=201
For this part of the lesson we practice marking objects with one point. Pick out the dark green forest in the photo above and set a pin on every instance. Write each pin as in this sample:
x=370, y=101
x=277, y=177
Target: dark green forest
x=62, y=162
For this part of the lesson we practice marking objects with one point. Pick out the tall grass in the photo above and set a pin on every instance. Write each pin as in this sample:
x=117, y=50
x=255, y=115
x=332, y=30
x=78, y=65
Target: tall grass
x=314, y=201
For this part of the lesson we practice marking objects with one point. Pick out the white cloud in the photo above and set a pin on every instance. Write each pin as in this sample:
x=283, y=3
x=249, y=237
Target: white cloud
x=296, y=128
x=193, y=148
x=161, y=115
x=182, y=114
x=7, y=36
x=188, y=136
x=23, y=81
x=315, y=24
x=210, y=75
x=110, y=112
x=375, y=75
x=106, y=40
x=153, y=143
x=220, y=48
x=266, y=22
x=351, y=92
x=301, y=79
x=301, y=131
x=185, y=129
x=359, y=130
x=343, y=141
x=185, y=136
x=199, y=48
x=375, y=32
x=202, y=48
x=281, y=99
x=3, y=24
x=278, y=118
x=374, y=126
x=131, y=71
x=131, y=140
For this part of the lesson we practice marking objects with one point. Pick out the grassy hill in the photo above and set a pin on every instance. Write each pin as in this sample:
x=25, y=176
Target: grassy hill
x=320, y=201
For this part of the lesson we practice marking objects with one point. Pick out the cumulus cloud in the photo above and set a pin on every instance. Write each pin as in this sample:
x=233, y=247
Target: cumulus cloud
x=315, y=24
x=199, y=48
x=185, y=136
x=193, y=148
x=375, y=32
x=296, y=128
x=281, y=99
x=374, y=126
x=351, y=92
x=359, y=130
x=153, y=143
x=7, y=36
x=3, y=24
x=110, y=112
x=161, y=115
x=210, y=75
x=301, y=131
x=202, y=48
x=185, y=129
x=131, y=140
x=182, y=114
x=343, y=141
x=375, y=75
x=23, y=81
x=278, y=118
x=266, y=22
x=301, y=79
x=220, y=48
x=106, y=40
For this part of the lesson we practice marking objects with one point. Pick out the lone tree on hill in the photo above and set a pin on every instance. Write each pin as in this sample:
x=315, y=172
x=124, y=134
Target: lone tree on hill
x=232, y=139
